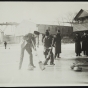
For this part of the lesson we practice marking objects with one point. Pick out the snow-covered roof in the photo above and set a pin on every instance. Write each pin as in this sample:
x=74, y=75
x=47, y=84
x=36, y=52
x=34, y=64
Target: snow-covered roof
x=80, y=27
x=54, y=23
x=81, y=13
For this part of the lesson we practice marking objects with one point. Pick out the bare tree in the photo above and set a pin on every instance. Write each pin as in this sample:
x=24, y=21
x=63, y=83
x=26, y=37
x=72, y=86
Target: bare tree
x=59, y=24
x=63, y=21
x=60, y=21
x=70, y=18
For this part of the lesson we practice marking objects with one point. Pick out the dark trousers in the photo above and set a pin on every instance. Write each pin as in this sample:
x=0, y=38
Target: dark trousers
x=29, y=50
x=49, y=56
x=5, y=46
x=57, y=54
x=77, y=54
x=87, y=53
x=84, y=52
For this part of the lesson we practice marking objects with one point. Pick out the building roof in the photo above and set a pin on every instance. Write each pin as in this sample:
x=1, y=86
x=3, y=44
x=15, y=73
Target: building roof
x=81, y=14
x=84, y=14
x=80, y=27
x=9, y=23
x=86, y=11
x=54, y=23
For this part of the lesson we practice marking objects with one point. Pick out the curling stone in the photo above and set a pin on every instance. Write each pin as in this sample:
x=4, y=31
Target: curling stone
x=72, y=67
x=77, y=68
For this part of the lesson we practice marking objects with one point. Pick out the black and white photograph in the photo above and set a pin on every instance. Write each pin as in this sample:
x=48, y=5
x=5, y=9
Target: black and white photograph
x=43, y=43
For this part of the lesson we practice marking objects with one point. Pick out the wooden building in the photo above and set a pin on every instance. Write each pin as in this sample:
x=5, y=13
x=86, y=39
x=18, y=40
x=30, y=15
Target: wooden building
x=65, y=30
x=81, y=22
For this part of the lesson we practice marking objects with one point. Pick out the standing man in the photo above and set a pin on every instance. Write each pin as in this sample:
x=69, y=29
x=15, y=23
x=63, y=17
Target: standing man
x=5, y=44
x=28, y=43
x=77, y=40
x=57, y=43
x=87, y=45
x=84, y=43
x=48, y=49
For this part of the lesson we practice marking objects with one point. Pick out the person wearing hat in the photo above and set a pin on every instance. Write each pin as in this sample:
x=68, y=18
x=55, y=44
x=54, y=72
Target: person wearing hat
x=77, y=40
x=27, y=44
x=47, y=32
x=57, y=43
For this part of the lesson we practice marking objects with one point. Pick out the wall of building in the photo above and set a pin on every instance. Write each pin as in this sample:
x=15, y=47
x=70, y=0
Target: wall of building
x=65, y=30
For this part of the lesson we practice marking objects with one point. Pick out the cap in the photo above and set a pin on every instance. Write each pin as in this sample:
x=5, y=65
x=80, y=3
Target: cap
x=47, y=33
x=58, y=30
x=36, y=32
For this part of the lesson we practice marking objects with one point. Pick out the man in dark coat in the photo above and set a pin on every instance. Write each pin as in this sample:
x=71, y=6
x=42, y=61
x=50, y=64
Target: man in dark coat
x=77, y=40
x=84, y=43
x=87, y=46
x=57, y=43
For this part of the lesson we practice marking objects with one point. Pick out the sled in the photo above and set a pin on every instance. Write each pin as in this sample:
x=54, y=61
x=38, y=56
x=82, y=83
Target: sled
x=78, y=66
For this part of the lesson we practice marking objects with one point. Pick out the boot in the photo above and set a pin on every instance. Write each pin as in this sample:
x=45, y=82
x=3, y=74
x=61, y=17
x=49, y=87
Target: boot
x=45, y=63
x=34, y=66
x=52, y=64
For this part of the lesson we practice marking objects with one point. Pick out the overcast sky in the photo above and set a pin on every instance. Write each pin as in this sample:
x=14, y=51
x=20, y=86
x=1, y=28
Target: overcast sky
x=38, y=11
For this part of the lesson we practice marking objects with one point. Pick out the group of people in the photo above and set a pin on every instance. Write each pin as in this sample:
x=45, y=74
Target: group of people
x=81, y=44
x=48, y=41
